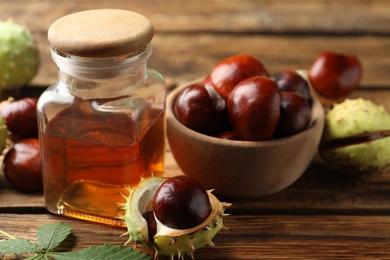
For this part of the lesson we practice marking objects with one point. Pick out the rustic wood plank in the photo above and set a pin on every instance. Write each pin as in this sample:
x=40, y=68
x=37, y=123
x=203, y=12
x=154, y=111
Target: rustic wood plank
x=248, y=237
x=267, y=16
x=320, y=191
x=12, y=200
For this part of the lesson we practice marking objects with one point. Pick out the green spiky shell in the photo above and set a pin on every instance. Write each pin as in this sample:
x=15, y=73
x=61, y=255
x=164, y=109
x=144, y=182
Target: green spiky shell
x=355, y=117
x=3, y=134
x=168, y=241
x=19, y=55
x=137, y=203
x=173, y=242
x=365, y=158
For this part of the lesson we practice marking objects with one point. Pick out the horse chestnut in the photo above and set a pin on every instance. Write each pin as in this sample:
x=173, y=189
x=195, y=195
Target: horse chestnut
x=22, y=165
x=20, y=117
x=290, y=80
x=200, y=108
x=335, y=75
x=229, y=72
x=295, y=114
x=254, y=109
x=181, y=202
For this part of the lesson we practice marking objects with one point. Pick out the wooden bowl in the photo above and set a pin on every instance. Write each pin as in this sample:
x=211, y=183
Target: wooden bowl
x=242, y=169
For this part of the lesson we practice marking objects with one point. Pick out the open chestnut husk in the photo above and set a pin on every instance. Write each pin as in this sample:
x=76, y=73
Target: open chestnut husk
x=172, y=240
x=356, y=138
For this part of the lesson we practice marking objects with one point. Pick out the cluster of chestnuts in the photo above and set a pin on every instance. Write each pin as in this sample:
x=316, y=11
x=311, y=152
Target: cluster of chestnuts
x=239, y=100
x=22, y=165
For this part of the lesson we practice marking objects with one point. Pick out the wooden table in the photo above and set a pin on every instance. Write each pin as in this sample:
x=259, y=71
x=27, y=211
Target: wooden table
x=322, y=215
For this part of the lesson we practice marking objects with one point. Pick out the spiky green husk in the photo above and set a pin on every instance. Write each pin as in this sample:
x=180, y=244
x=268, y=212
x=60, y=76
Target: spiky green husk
x=366, y=158
x=171, y=242
x=168, y=241
x=351, y=118
x=19, y=55
x=137, y=203
x=3, y=134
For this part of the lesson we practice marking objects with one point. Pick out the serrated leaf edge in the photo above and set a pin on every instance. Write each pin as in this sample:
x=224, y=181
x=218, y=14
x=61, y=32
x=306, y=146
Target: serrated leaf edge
x=52, y=232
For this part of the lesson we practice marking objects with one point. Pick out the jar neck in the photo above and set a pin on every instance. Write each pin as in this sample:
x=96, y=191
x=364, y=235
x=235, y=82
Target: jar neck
x=98, y=77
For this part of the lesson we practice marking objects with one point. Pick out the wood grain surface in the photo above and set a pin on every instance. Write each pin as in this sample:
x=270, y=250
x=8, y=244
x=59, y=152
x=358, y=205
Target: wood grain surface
x=248, y=237
x=321, y=216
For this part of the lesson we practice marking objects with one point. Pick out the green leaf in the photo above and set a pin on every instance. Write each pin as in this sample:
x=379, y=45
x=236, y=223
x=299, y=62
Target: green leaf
x=103, y=252
x=51, y=235
x=36, y=257
x=18, y=246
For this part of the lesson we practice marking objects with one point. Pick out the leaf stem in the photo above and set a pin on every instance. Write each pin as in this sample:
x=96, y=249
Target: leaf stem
x=7, y=235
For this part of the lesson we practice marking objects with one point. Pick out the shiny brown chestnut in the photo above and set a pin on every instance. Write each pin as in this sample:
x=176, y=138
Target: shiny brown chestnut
x=290, y=80
x=254, y=108
x=181, y=202
x=335, y=75
x=229, y=72
x=200, y=108
x=22, y=165
x=21, y=118
x=295, y=114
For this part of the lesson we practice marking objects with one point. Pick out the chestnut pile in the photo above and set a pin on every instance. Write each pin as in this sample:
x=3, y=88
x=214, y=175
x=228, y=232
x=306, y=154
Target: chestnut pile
x=240, y=100
x=176, y=216
x=22, y=165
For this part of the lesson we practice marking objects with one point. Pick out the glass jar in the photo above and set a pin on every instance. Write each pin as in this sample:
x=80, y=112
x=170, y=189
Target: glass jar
x=101, y=126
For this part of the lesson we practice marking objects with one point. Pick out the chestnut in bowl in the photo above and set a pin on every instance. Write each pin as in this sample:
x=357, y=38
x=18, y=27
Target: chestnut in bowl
x=242, y=169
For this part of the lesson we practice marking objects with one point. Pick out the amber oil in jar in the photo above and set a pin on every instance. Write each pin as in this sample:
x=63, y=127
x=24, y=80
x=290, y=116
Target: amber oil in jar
x=102, y=124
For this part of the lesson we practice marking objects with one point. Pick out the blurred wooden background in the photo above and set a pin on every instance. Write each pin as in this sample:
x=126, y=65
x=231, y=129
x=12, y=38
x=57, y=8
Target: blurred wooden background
x=193, y=36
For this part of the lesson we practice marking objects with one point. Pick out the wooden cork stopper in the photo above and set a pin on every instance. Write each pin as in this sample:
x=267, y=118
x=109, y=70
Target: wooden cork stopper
x=100, y=33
